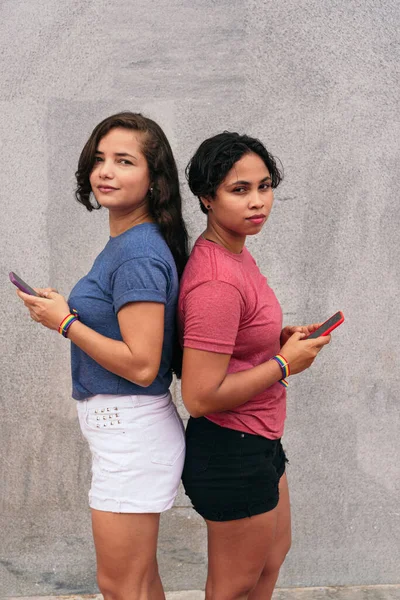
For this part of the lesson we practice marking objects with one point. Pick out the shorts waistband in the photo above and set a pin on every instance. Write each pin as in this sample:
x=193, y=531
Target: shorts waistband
x=105, y=400
x=230, y=435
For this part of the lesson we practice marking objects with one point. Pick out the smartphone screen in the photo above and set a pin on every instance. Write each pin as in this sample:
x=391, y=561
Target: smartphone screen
x=21, y=285
x=329, y=325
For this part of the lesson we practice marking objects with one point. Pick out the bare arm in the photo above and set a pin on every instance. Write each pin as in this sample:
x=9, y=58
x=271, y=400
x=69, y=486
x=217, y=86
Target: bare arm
x=137, y=358
x=207, y=388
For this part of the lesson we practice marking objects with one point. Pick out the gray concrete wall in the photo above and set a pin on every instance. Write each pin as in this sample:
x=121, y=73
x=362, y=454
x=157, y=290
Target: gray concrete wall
x=318, y=81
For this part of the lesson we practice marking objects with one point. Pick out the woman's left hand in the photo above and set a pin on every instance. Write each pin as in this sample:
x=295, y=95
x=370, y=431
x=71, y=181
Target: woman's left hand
x=49, y=310
x=288, y=331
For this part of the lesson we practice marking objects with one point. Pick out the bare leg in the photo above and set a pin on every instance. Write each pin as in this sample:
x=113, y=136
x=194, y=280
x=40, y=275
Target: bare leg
x=126, y=546
x=279, y=548
x=236, y=555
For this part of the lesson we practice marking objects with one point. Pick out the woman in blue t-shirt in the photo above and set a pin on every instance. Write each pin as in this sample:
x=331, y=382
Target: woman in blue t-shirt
x=120, y=319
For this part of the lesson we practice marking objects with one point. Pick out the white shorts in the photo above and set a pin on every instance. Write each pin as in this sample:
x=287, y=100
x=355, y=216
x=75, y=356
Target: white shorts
x=138, y=450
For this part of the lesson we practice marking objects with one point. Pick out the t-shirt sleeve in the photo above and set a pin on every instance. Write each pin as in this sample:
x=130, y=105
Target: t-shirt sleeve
x=140, y=280
x=212, y=313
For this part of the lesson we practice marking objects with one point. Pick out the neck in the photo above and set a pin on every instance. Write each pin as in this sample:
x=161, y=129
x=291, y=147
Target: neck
x=233, y=243
x=119, y=223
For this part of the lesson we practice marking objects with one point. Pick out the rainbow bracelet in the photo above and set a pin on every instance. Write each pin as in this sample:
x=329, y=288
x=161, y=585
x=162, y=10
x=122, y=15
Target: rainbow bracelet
x=284, y=365
x=67, y=322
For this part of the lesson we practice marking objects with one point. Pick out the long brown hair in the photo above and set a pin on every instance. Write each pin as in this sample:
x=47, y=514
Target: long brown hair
x=165, y=203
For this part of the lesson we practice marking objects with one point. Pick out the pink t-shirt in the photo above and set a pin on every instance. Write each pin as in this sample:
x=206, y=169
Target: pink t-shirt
x=226, y=306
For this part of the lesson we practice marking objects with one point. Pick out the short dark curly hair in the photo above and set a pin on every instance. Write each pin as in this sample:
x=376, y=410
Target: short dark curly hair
x=216, y=156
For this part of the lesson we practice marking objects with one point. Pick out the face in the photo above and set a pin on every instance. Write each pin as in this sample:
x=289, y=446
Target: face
x=120, y=176
x=244, y=199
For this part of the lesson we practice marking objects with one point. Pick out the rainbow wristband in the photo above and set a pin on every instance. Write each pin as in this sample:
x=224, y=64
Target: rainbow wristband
x=67, y=322
x=284, y=365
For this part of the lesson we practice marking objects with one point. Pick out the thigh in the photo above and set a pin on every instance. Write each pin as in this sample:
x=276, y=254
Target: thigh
x=283, y=538
x=125, y=543
x=237, y=551
x=283, y=534
x=278, y=549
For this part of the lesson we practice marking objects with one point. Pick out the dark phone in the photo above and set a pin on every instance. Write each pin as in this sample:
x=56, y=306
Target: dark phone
x=329, y=325
x=24, y=287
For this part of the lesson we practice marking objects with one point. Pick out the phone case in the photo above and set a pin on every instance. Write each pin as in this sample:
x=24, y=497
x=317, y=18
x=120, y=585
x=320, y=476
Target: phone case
x=329, y=325
x=21, y=285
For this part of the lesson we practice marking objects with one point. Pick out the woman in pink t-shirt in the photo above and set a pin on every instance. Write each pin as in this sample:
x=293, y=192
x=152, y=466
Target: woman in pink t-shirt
x=236, y=362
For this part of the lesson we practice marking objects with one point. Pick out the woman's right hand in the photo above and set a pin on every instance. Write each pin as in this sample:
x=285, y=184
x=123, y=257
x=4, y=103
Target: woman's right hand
x=300, y=353
x=44, y=292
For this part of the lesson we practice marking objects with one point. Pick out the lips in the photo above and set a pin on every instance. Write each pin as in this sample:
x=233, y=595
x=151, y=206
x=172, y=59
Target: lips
x=106, y=188
x=256, y=218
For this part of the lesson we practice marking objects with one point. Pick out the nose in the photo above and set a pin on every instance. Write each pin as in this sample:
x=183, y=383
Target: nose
x=256, y=200
x=105, y=170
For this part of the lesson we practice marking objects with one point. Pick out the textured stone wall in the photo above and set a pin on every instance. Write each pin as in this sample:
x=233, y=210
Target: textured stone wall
x=318, y=82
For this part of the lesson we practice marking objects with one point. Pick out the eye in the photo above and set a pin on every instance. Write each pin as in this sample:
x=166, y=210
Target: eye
x=239, y=190
x=97, y=159
x=265, y=186
x=124, y=161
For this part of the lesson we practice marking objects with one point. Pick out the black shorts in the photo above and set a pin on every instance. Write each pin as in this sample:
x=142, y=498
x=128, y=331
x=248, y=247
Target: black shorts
x=229, y=474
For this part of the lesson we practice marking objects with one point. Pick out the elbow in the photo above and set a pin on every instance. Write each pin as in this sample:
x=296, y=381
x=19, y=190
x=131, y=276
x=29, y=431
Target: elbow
x=144, y=381
x=143, y=377
x=196, y=414
x=146, y=378
x=193, y=411
x=195, y=407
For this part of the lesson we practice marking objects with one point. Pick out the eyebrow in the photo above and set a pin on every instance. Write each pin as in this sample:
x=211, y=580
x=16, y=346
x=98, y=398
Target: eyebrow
x=118, y=154
x=242, y=182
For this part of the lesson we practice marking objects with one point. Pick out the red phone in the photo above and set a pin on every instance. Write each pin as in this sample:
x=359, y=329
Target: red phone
x=329, y=325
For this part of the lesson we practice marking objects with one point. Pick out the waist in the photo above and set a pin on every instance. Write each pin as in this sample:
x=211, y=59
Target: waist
x=128, y=401
x=224, y=438
x=265, y=418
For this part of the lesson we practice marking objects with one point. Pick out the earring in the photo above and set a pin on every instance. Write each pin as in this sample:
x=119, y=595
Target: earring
x=208, y=206
x=151, y=190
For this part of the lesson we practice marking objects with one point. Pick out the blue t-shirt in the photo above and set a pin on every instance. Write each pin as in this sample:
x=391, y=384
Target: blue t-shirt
x=136, y=266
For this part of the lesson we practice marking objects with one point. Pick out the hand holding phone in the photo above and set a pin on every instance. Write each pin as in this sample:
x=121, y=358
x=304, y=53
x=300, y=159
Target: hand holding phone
x=329, y=325
x=21, y=285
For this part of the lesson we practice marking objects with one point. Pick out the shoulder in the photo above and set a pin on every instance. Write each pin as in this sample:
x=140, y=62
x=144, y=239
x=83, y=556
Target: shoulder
x=248, y=257
x=142, y=243
x=212, y=273
x=142, y=240
x=210, y=262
